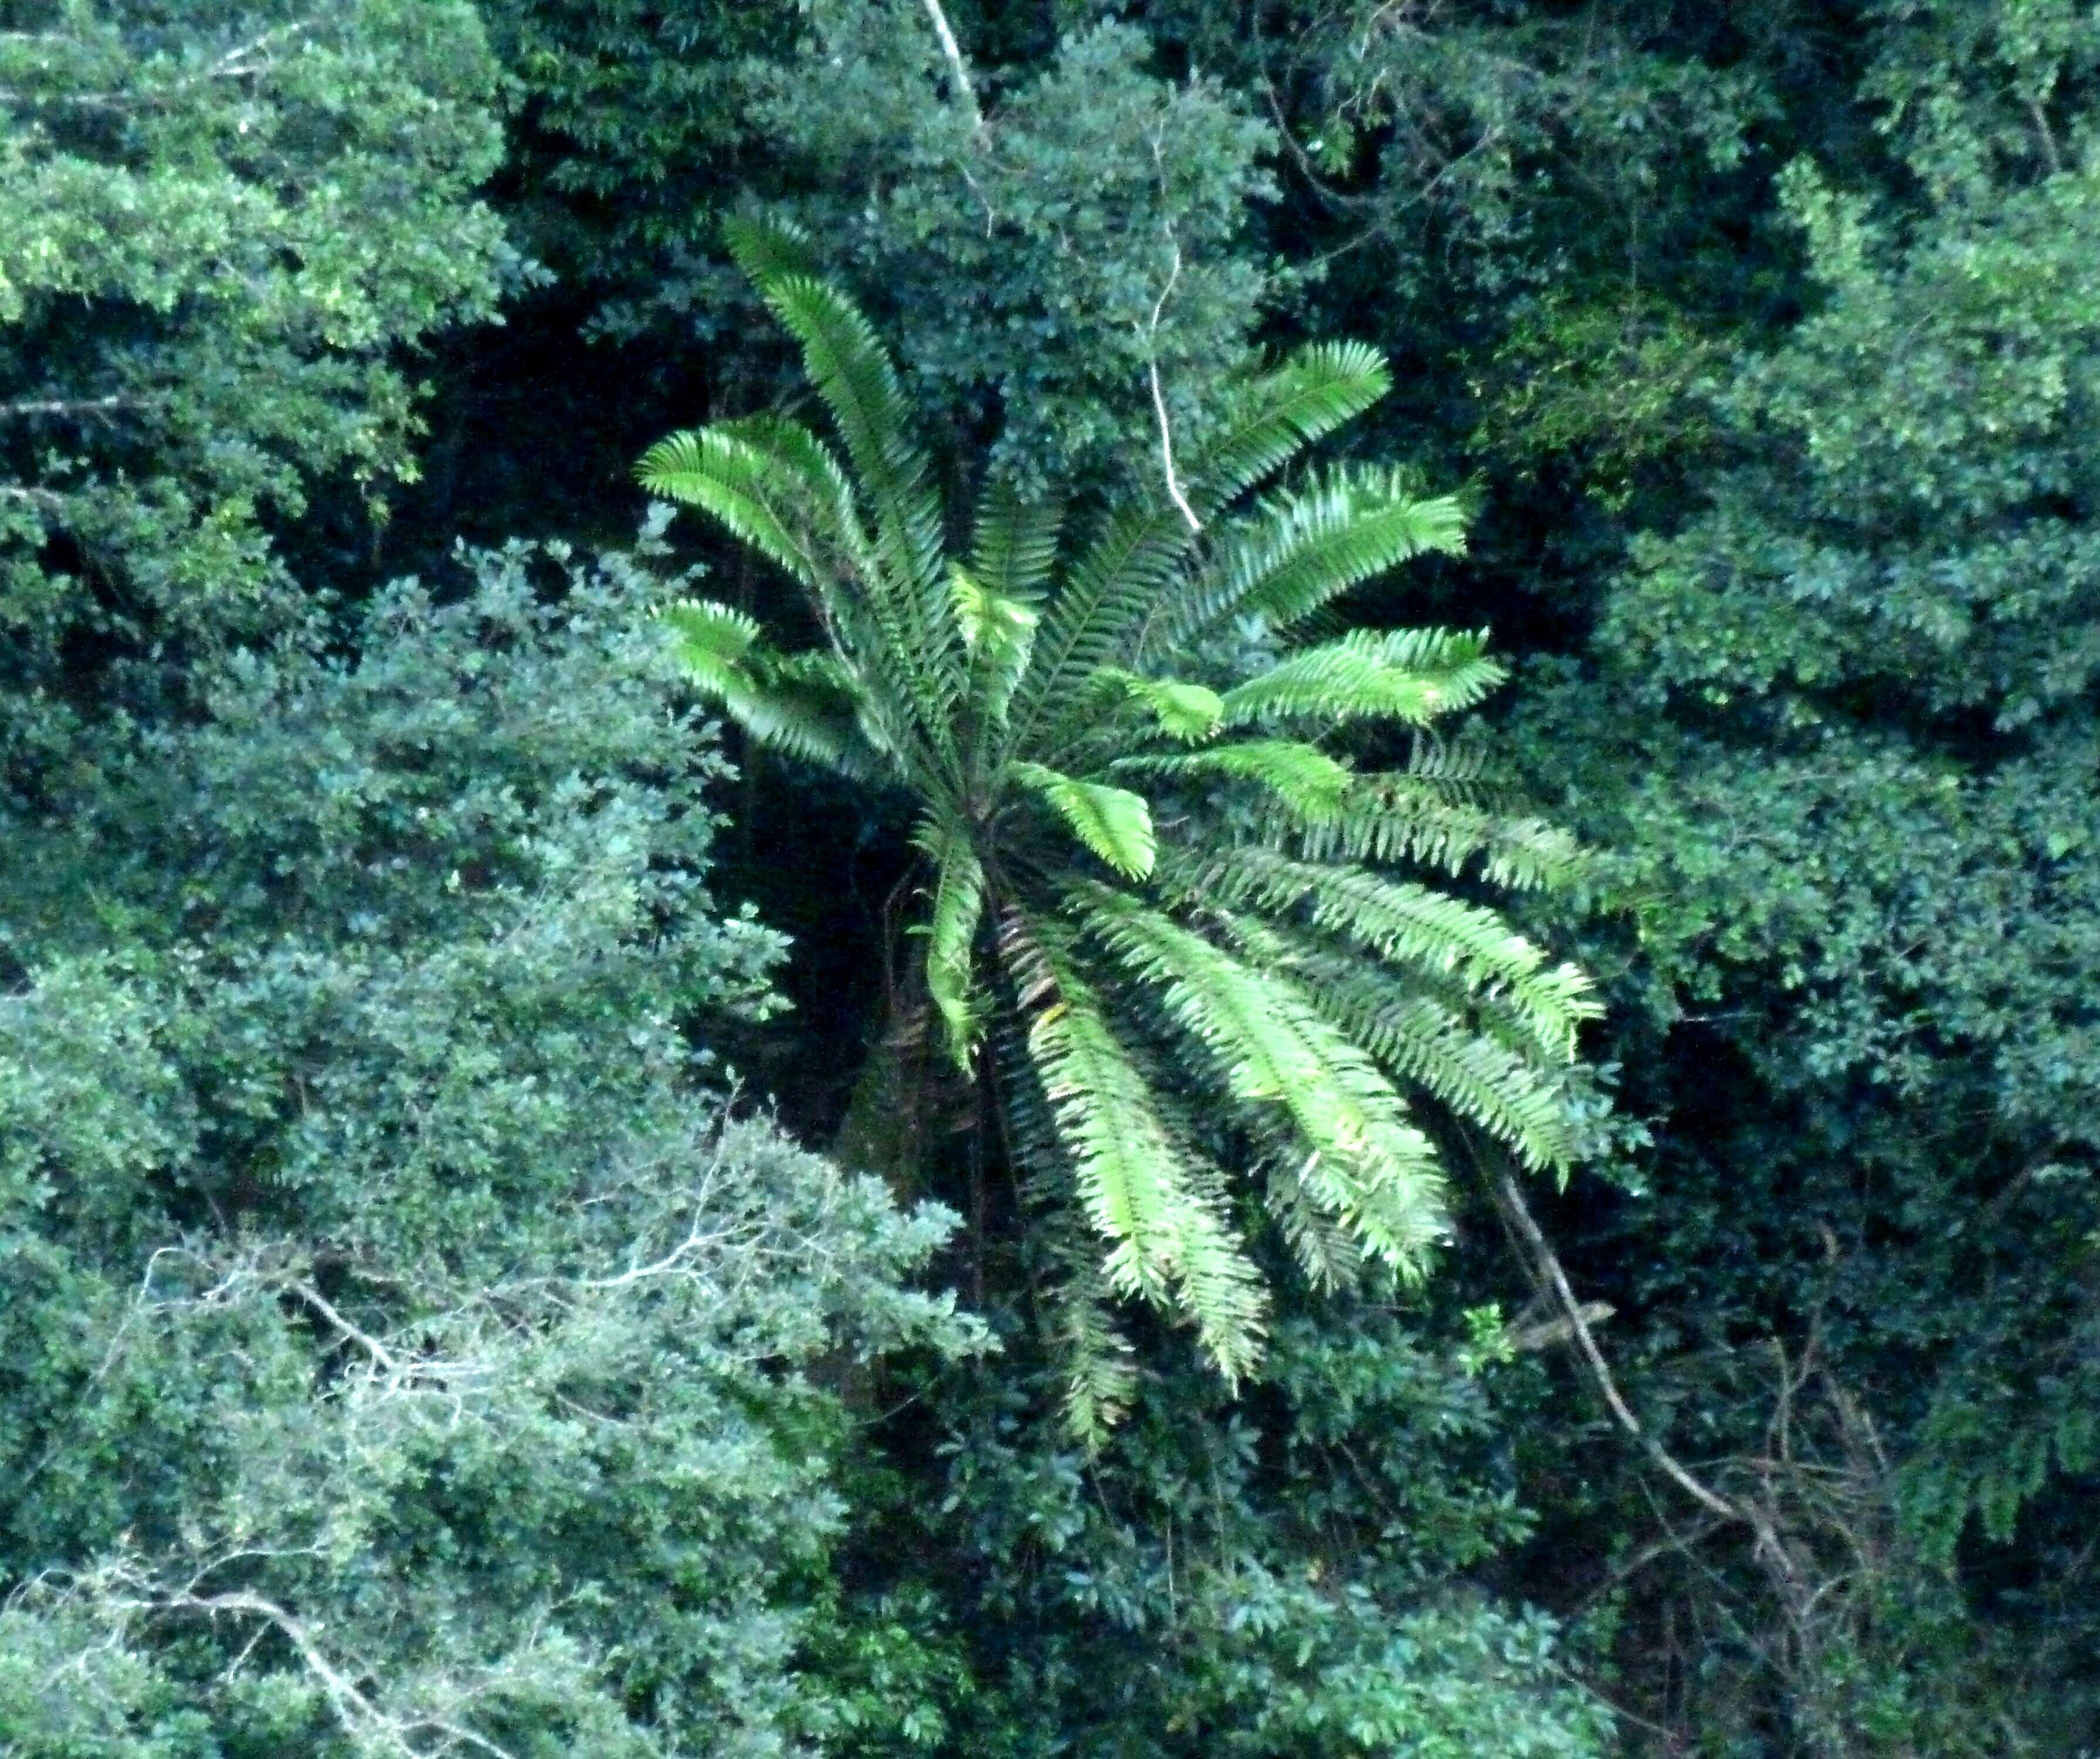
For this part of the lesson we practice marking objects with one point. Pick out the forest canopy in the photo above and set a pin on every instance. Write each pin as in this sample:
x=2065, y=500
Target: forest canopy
x=937, y=877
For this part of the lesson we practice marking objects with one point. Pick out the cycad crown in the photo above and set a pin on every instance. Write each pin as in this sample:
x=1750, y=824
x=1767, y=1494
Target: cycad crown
x=1091, y=905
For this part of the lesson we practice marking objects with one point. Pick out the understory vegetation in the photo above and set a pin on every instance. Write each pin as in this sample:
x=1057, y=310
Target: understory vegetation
x=905, y=878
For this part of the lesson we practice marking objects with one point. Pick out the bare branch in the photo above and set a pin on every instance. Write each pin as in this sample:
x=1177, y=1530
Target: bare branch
x=959, y=70
x=66, y=407
x=371, y=1346
x=1547, y=1262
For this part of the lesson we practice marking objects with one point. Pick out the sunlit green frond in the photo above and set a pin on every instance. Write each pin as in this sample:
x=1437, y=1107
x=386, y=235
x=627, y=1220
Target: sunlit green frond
x=1014, y=544
x=1405, y=675
x=1114, y=822
x=1311, y=786
x=952, y=930
x=1404, y=923
x=801, y=705
x=1279, y=414
x=1168, y=1240
x=1159, y=1207
x=1189, y=712
x=1423, y=1040
x=745, y=487
x=999, y=635
x=1307, y=549
x=1363, y=1159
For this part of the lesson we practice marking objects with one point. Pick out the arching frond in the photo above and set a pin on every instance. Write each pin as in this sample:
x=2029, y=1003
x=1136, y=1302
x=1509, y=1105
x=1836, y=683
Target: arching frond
x=1405, y=675
x=1101, y=1367
x=1277, y=415
x=852, y=372
x=750, y=490
x=1363, y=1159
x=801, y=705
x=1307, y=549
x=1325, y=1250
x=1311, y=786
x=1159, y=1205
x=1404, y=925
x=959, y=899
x=1114, y=822
x=1425, y=1041
x=1394, y=817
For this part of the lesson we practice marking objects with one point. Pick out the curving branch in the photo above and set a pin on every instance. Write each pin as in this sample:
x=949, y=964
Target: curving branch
x=959, y=70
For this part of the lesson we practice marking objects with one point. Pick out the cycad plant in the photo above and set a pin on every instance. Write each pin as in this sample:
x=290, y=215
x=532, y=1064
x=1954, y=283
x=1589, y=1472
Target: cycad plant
x=1162, y=929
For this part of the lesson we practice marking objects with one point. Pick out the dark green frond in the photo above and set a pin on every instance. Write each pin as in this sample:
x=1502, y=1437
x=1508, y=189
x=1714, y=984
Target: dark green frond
x=1325, y=1250
x=767, y=245
x=1014, y=544
x=852, y=373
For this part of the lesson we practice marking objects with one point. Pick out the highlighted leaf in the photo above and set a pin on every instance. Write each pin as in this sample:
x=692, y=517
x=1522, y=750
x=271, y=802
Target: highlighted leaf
x=1114, y=822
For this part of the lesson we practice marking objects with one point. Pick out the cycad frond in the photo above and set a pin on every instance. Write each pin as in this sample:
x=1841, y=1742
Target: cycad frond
x=1413, y=675
x=852, y=373
x=1311, y=787
x=1404, y=925
x=1114, y=822
x=1305, y=549
x=1363, y=1160
x=803, y=706
x=1425, y=1041
x=1101, y=599
x=1277, y=415
x=1013, y=543
x=959, y=900
x=752, y=490
x=1396, y=817
x=1160, y=1205
x=1185, y=712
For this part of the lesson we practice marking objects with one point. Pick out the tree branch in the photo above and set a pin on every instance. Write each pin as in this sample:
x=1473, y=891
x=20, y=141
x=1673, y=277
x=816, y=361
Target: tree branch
x=66, y=407
x=959, y=70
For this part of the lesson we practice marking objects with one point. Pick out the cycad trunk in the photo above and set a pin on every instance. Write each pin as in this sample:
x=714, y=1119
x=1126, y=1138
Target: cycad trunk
x=885, y=1130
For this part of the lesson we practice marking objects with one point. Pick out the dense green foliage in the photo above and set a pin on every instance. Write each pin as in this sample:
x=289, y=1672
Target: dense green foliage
x=423, y=1332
